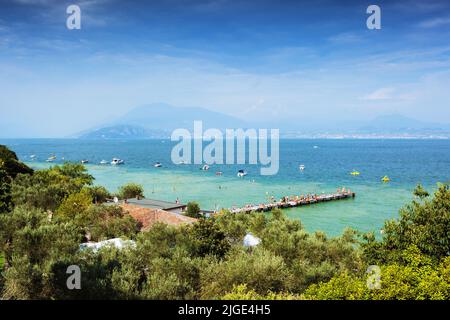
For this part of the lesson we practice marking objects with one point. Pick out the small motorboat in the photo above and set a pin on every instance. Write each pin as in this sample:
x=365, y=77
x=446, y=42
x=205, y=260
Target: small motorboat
x=117, y=161
x=182, y=162
x=355, y=173
x=241, y=173
x=301, y=167
x=205, y=167
x=51, y=159
x=385, y=179
x=33, y=156
x=219, y=173
x=103, y=162
x=84, y=161
x=157, y=165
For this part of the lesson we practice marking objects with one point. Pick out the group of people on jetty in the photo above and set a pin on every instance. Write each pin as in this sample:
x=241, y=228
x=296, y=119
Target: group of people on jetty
x=295, y=201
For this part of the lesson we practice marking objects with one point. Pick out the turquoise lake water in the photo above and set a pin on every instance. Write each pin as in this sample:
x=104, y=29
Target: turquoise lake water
x=327, y=167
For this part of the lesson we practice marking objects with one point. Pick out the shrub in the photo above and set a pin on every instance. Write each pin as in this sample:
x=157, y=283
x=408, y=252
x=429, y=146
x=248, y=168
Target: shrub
x=193, y=210
x=131, y=190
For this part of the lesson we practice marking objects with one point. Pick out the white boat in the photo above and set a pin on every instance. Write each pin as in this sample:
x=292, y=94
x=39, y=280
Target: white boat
x=51, y=159
x=116, y=161
x=205, y=167
x=103, y=162
x=84, y=161
x=301, y=167
x=182, y=162
x=241, y=173
x=33, y=156
x=316, y=147
x=157, y=165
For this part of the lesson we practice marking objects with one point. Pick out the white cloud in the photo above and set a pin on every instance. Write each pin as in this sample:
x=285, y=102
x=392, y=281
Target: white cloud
x=436, y=22
x=345, y=38
x=380, y=94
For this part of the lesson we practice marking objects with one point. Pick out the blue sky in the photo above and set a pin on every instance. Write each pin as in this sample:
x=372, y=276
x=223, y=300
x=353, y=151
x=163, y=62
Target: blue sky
x=314, y=61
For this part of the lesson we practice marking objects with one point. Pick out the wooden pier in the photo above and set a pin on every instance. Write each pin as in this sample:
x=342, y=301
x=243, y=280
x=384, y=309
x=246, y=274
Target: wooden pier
x=289, y=202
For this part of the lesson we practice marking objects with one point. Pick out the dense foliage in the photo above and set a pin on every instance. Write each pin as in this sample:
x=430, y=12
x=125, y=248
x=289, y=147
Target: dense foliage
x=47, y=214
x=131, y=190
x=11, y=163
x=193, y=210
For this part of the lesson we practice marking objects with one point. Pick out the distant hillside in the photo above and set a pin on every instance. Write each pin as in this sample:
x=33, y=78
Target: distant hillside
x=124, y=132
x=167, y=117
x=399, y=123
x=158, y=121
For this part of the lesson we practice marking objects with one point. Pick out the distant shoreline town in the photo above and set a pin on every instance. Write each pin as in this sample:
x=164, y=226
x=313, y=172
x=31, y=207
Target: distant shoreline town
x=365, y=136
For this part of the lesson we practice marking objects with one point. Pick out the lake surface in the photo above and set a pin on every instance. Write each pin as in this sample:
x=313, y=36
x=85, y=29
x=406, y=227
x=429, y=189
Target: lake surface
x=327, y=167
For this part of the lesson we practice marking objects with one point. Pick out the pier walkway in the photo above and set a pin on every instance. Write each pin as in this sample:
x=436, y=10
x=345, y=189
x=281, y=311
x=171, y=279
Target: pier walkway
x=291, y=202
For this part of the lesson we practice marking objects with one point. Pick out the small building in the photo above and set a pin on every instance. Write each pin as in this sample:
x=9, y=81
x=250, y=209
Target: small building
x=158, y=204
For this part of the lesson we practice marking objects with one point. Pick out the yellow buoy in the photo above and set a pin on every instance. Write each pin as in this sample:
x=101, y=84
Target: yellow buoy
x=385, y=179
x=355, y=173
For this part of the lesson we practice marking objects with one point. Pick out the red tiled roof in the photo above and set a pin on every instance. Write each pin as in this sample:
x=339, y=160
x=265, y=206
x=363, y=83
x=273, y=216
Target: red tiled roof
x=148, y=216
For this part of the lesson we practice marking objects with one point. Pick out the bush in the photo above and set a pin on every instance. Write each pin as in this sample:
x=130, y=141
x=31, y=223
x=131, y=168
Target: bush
x=424, y=223
x=206, y=238
x=11, y=163
x=106, y=222
x=193, y=210
x=75, y=205
x=131, y=190
x=241, y=292
x=46, y=189
x=417, y=279
x=99, y=194
x=261, y=271
x=5, y=190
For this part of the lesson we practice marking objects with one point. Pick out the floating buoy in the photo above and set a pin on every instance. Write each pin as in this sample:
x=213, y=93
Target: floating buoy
x=355, y=173
x=385, y=179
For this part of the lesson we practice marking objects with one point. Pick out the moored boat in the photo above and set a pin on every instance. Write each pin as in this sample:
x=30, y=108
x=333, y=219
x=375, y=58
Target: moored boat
x=241, y=173
x=117, y=161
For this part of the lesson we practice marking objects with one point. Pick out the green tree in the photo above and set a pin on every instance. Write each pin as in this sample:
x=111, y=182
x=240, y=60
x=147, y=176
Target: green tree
x=5, y=190
x=131, y=190
x=193, y=210
x=46, y=189
x=424, y=223
x=103, y=222
x=99, y=194
x=31, y=242
x=311, y=258
x=261, y=270
x=420, y=192
x=206, y=238
x=75, y=205
x=417, y=278
x=11, y=163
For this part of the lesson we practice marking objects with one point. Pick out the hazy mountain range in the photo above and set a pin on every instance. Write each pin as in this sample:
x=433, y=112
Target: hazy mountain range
x=159, y=120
